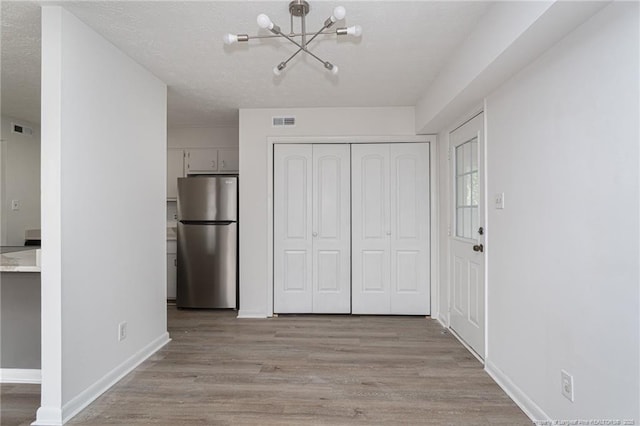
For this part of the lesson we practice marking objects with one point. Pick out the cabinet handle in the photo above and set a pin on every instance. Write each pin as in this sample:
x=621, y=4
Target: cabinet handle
x=223, y=164
x=175, y=262
x=315, y=234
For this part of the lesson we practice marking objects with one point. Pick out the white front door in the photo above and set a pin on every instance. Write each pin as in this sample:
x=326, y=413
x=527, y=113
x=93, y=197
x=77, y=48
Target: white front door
x=312, y=229
x=390, y=221
x=467, y=300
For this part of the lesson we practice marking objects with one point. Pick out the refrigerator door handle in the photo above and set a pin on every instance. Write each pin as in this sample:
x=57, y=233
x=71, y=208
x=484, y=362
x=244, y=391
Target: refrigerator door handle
x=207, y=222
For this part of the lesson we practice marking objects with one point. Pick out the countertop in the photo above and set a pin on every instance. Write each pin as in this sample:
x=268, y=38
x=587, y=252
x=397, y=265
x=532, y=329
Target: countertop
x=27, y=260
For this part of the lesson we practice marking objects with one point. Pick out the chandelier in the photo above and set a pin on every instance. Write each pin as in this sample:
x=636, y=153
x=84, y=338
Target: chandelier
x=300, y=9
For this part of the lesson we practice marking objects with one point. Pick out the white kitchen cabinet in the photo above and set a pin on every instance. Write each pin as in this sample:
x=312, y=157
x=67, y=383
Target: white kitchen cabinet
x=228, y=160
x=312, y=229
x=210, y=160
x=200, y=160
x=172, y=269
x=175, y=169
x=390, y=238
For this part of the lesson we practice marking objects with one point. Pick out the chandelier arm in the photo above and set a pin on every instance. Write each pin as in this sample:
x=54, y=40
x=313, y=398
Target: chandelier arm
x=280, y=33
x=319, y=60
x=292, y=56
x=292, y=35
x=310, y=40
x=320, y=31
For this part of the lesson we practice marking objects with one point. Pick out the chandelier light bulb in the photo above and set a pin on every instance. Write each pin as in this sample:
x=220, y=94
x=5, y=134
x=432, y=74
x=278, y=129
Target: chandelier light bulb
x=230, y=38
x=276, y=71
x=334, y=70
x=264, y=22
x=338, y=13
x=355, y=30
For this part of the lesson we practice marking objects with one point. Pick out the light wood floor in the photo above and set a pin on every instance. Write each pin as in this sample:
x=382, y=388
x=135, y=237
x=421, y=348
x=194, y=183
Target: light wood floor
x=303, y=370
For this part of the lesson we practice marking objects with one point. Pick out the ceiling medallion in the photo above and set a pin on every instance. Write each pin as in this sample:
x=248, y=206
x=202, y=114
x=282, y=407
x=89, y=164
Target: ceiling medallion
x=299, y=9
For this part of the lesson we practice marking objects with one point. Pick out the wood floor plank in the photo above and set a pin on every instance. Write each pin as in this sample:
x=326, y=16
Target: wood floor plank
x=305, y=370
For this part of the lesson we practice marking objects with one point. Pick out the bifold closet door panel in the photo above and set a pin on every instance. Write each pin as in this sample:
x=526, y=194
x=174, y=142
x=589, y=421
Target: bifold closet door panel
x=409, y=189
x=292, y=216
x=331, y=229
x=371, y=229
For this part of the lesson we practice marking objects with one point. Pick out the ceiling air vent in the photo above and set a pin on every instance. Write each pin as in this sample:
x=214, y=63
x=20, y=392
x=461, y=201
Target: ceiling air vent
x=284, y=121
x=20, y=129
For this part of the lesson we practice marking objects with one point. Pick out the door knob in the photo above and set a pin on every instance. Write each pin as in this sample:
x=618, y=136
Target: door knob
x=315, y=234
x=478, y=247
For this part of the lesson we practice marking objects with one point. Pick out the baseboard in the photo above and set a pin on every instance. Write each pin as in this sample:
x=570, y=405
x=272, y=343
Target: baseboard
x=87, y=396
x=243, y=314
x=20, y=375
x=467, y=347
x=48, y=416
x=526, y=404
x=442, y=320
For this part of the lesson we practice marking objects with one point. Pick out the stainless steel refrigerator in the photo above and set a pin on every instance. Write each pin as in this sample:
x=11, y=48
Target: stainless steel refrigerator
x=207, y=242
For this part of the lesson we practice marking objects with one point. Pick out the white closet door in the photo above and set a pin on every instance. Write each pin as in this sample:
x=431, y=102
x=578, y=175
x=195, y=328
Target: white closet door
x=409, y=182
x=331, y=229
x=292, y=229
x=371, y=229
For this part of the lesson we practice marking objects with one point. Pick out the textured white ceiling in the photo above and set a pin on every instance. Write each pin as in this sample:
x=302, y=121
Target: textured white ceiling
x=20, y=60
x=403, y=46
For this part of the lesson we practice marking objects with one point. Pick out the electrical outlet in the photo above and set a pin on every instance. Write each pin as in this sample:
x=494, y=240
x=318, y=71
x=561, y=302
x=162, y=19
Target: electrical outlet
x=567, y=385
x=122, y=331
x=499, y=198
x=15, y=204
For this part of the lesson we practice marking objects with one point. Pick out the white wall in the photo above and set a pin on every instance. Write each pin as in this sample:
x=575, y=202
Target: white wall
x=255, y=127
x=20, y=174
x=506, y=39
x=202, y=137
x=103, y=181
x=562, y=143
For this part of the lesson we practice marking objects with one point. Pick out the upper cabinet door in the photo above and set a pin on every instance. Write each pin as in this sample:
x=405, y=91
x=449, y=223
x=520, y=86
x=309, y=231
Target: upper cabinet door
x=228, y=160
x=292, y=214
x=331, y=229
x=409, y=180
x=175, y=169
x=201, y=161
x=371, y=229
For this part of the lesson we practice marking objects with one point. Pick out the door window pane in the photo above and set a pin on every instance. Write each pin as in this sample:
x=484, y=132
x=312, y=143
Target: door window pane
x=467, y=157
x=467, y=189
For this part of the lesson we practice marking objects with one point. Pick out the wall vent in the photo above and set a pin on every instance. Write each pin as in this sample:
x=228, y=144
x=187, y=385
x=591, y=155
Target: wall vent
x=284, y=121
x=22, y=130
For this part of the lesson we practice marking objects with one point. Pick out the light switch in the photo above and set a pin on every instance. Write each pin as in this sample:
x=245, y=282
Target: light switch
x=15, y=204
x=499, y=201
